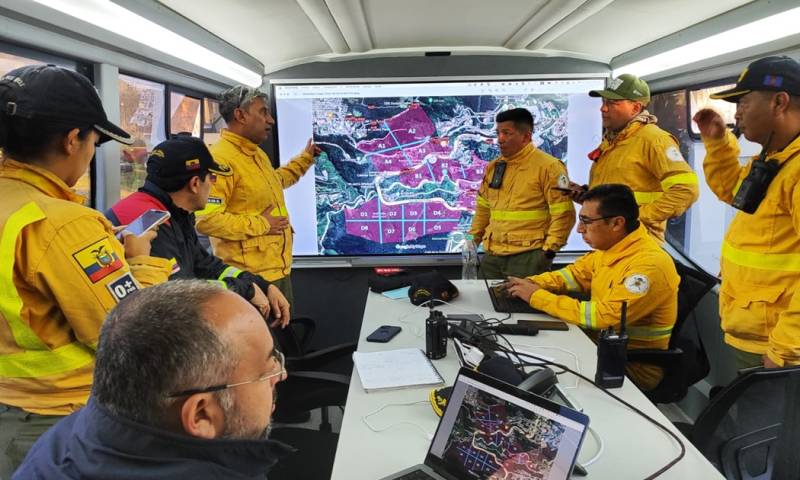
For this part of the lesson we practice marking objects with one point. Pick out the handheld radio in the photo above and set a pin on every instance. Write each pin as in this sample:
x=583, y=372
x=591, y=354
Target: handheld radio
x=499, y=172
x=754, y=186
x=436, y=335
x=612, y=354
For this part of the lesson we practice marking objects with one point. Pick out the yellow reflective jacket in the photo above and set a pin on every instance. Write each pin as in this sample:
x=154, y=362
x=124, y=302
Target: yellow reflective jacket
x=232, y=217
x=758, y=303
x=635, y=270
x=648, y=160
x=61, y=271
x=526, y=212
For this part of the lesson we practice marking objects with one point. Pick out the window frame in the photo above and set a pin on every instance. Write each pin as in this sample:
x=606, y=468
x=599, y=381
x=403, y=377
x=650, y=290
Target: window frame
x=701, y=86
x=197, y=95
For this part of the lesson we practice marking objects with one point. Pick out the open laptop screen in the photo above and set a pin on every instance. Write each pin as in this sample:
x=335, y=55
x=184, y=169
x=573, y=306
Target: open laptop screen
x=491, y=430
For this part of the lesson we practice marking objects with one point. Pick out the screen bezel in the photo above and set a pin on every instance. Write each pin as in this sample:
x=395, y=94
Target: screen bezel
x=427, y=259
x=441, y=467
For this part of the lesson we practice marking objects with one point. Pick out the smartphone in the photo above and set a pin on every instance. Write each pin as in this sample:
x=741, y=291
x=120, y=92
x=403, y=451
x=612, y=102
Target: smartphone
x=145, y=222
x=544, y=324
x=383, y=334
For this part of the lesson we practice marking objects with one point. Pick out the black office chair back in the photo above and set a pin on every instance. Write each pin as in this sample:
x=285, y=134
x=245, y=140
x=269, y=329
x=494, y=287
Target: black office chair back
x=740, y=430
x=695, y=284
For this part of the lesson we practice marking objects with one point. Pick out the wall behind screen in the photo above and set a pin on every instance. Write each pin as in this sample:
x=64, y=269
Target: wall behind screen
x=429, y=69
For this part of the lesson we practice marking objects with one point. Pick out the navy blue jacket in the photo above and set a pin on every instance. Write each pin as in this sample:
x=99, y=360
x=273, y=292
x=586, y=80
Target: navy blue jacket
x=177, y=240
x=93, y=443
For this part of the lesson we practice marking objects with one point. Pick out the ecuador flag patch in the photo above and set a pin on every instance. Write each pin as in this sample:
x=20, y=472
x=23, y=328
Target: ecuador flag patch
x=98, y=260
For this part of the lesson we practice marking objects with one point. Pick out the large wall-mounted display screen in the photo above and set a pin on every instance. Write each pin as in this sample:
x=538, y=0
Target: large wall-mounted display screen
x=402, y=162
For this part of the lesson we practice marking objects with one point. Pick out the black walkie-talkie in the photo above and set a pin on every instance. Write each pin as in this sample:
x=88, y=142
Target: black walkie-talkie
x=499, y=172
x=754, y=187
x=612, y=354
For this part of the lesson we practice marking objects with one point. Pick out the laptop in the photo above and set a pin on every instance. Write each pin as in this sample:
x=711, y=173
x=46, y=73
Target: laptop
x=501, y=301
x=491, y=429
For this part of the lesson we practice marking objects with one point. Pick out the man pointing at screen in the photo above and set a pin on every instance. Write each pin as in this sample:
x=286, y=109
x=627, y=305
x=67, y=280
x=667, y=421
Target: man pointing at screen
x=246, y=216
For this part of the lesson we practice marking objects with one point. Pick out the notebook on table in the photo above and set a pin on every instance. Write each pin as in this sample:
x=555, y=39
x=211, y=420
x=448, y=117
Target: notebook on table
x=405, y=367
x=492, y=429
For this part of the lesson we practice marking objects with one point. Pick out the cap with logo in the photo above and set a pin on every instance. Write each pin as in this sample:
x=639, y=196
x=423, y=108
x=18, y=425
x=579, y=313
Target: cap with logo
x=625, y=87
x=777, y=74
x=174, y=162
x=58, y=95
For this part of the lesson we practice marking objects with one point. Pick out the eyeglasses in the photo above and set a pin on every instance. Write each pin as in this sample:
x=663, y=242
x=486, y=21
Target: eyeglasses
x=278, y=356
x=586, y=221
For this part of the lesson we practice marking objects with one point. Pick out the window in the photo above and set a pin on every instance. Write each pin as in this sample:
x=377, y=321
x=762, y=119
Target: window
x=213, y=123
x=142, y=114
x=184, y=114
x=670, y=108
x=700, y=99
x=699, y=232
x=13, y=57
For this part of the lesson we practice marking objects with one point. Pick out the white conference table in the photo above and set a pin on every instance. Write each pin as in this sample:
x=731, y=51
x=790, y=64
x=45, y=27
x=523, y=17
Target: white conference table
x=633, y=447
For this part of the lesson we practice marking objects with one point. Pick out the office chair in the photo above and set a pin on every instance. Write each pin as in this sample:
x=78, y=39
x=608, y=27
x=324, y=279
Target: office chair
x=685, y=362
x=748, y=431
x=308, y=368
x=316, y=449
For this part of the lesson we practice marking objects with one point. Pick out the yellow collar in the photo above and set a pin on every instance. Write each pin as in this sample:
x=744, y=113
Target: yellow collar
x=526, y=150
x=246, y=146
x=41, y=178
x=789, y=151
x=624, y=247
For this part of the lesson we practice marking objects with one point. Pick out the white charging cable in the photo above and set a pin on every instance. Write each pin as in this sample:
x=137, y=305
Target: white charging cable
x=379, y=430
x=600, y=447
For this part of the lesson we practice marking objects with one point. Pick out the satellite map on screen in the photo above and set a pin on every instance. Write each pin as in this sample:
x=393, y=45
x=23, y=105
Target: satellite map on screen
x=400, y=175
x=495, y=439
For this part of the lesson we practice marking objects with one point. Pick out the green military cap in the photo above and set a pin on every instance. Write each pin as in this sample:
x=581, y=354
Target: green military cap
x=625, y=87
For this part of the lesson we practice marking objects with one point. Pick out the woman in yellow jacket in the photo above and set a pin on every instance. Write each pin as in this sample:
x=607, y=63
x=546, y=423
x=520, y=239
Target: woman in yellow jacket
x=759, y=303
x=61, y=267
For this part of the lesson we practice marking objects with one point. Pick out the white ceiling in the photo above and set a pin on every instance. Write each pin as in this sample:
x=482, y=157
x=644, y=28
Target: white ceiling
x=282, y=33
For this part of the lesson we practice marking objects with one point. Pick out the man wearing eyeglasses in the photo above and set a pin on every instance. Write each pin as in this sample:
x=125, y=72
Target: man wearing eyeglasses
x=184, y=387
x=637, y=153
x=246, y=217
x=628, y=265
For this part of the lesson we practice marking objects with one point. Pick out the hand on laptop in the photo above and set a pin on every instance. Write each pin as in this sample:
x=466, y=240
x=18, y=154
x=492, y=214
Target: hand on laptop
x=522, y=288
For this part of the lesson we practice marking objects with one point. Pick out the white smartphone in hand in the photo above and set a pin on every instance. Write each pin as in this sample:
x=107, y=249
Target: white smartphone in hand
x=144, y=223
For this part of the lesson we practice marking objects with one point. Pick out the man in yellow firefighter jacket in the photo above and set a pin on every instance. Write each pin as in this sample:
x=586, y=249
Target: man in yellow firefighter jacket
x=759, y=303
x=521, y=217
x=636, y=153
x=61, y=267
x=628, y=265
x=246, y=215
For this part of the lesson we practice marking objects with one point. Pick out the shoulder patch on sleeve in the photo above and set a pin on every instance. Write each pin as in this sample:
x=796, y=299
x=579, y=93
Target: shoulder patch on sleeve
x=98, y=260
x=674, y=154
x=637, y=284
x=123, y=286
x=214, y=201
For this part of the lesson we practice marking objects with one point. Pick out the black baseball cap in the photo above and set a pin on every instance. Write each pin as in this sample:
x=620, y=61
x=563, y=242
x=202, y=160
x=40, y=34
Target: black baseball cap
x=777, y=74
x=174, y=162
x=59, y=95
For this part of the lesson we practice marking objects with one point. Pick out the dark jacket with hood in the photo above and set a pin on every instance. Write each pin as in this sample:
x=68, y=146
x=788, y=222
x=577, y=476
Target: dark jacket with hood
x=93, y=443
